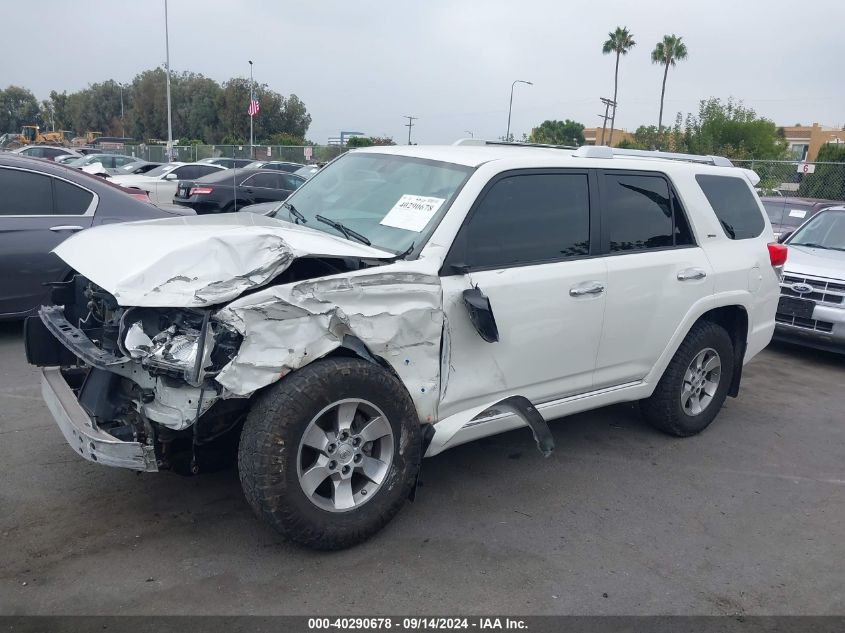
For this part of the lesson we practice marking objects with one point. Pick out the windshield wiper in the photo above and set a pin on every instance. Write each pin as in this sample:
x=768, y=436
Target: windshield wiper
x=347, y=232
x=299, y=218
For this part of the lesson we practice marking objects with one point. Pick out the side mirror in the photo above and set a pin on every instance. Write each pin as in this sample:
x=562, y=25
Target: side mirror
x=481, y=314
x=171, y=176
x=784, y=236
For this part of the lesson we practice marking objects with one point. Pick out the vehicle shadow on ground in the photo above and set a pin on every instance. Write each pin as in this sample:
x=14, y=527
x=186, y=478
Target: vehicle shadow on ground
x=10, y=330
x=808, y=354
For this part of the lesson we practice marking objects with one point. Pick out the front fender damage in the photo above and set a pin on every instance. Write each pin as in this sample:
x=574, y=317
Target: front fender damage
x=396, y=314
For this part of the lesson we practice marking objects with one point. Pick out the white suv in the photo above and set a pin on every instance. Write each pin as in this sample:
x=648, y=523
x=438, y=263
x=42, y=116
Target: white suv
x=403, y=301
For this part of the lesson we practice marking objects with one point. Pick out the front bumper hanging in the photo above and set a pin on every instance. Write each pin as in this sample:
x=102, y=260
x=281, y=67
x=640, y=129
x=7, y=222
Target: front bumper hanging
x=82, y=433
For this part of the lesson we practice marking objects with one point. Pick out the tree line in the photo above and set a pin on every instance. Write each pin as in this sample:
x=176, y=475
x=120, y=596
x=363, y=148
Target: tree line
x=202, y=110
x=723, y=128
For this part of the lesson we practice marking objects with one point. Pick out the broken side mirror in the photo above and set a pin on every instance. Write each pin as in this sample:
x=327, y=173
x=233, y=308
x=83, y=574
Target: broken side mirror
x=481, y=314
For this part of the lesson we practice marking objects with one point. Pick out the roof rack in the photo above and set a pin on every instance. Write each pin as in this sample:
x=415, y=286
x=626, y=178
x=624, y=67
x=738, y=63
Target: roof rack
x=602, y=151
x=479, y=141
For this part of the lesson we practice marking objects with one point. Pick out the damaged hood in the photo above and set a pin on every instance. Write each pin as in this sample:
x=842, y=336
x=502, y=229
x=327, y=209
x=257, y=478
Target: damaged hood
x=197, y=261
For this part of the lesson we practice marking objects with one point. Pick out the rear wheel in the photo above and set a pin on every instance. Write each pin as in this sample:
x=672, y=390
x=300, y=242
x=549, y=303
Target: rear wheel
x=695, y=384
x=329, y=454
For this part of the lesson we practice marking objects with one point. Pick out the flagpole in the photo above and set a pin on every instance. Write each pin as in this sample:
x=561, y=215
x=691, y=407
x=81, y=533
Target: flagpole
x=251, y=97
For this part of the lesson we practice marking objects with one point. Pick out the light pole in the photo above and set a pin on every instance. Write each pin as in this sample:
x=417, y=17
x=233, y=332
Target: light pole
x=251, y=97
x=471, y=135
x=169, y=116
x=122, y=122
x=510, y=107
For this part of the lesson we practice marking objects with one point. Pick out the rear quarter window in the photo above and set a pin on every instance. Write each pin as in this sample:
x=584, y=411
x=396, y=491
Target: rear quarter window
x=734, y=204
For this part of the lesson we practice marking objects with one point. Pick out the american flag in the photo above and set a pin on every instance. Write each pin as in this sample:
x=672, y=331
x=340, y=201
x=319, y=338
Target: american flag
x=252, y=110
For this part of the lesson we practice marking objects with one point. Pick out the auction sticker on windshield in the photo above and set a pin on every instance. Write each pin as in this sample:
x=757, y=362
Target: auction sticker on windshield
x=412, y=213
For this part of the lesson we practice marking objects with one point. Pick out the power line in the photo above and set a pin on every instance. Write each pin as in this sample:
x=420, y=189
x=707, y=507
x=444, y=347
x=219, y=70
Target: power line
x=409, y=124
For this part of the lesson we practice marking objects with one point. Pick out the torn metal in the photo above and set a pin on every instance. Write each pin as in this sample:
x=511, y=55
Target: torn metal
x=396, y=314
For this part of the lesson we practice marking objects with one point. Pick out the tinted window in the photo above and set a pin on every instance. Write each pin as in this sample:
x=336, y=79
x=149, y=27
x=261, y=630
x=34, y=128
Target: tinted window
x=192, y=172
x=638, y=211
x=70, y=199
x=734, y=204
x=25, y=193
x=529, y=218
x=291, y=182
x=270, y=181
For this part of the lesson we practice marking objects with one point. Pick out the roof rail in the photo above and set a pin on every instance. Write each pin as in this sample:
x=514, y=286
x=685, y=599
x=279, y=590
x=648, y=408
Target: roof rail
x=602, y=151
x=478, y=141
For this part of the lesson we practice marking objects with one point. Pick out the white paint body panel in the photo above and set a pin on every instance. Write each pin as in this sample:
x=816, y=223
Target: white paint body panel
x=547, y=339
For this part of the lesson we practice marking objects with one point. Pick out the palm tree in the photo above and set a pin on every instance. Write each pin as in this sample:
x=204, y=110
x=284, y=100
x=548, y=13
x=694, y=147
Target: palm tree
x=667, y=52
x=620, y=42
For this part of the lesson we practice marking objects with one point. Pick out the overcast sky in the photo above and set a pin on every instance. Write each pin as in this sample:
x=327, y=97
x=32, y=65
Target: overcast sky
x=360, y=66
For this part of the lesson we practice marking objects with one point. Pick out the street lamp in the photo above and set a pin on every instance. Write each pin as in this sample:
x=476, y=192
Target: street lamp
x=122, y=122
x=510, y=107
x=471, y=135
x=169, y=116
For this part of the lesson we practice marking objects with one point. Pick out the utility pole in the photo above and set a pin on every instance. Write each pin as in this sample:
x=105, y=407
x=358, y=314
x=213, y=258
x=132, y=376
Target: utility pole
x=409, y=124
x=169, y=116
x=608, y=103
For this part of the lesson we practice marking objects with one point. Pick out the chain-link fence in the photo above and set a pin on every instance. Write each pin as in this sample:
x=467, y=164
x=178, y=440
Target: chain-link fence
x=825, y=181
x=191, y=153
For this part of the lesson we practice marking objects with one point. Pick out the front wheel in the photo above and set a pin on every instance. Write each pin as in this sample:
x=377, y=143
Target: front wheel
x=695, y=384
x=328, y=455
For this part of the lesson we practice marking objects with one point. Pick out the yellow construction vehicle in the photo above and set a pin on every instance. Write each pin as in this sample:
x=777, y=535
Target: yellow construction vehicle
x=31, y=135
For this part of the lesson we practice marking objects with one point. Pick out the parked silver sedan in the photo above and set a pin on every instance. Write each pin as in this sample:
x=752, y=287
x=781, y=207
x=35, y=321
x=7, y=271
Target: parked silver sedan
x=811, y=310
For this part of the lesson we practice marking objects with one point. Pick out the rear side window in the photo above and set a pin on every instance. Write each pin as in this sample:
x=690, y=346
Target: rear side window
x=25, y=193
x=734, y=204
x=70, y=199
x=266, y=181
x=639, y=212
x=528, y=219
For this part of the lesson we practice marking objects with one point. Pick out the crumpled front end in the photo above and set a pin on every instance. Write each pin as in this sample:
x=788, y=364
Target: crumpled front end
x=157, y=358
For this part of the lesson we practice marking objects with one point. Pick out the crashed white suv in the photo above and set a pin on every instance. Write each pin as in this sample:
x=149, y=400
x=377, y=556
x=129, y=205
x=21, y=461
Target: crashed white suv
x=406, y=300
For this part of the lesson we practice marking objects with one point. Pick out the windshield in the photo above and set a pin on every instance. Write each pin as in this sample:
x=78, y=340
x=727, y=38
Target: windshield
x=128, y=168
x=393, y=201
x=825, y=230
x=791, y=215
x=161, y=170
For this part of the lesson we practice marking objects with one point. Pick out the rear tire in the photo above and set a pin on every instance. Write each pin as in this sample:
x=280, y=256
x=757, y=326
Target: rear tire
x=695, y=383
x=350, y=487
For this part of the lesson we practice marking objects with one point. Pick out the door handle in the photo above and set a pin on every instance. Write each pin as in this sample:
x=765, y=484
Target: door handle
x=586, y=288
x=66, y=227
x=691, y=274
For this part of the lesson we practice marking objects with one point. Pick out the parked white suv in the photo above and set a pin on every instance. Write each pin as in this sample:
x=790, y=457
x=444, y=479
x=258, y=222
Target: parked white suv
x=406, y=300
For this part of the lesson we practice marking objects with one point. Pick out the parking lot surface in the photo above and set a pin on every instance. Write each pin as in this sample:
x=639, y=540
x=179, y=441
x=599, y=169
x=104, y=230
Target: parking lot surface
x=747, y=518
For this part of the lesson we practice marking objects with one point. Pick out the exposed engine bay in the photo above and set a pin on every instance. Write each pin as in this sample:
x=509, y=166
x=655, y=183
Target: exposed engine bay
x=147, y=374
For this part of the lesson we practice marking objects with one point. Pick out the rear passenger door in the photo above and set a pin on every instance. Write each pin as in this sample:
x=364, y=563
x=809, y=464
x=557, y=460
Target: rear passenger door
x=529, y=244
x=655, y=273
x=37, y=212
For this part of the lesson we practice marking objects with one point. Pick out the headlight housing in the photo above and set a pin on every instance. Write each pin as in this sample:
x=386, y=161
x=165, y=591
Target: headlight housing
x=176, y=342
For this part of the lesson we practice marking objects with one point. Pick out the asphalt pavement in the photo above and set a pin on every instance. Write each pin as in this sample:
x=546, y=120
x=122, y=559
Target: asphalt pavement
x=746, y=518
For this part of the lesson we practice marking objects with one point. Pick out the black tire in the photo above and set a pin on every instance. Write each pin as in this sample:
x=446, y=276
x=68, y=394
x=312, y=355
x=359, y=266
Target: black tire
x=663, y=410
x=268, y=453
